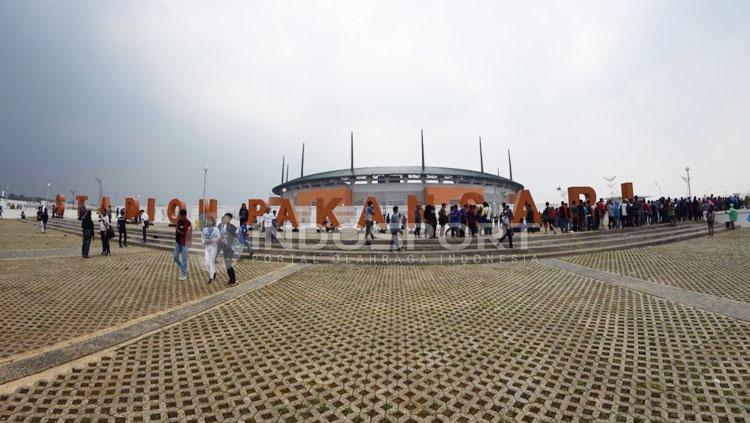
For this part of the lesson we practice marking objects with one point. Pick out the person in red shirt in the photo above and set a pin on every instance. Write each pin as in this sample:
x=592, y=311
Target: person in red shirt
x=183, y=234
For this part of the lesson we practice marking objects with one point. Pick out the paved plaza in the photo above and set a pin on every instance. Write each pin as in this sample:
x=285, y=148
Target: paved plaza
x=20, y=235
x=718, y=266
x=514, y=341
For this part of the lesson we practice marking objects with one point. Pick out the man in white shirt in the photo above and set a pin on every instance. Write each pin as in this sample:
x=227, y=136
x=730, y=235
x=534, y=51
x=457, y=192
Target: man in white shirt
x=268, y=228
x=145, y=222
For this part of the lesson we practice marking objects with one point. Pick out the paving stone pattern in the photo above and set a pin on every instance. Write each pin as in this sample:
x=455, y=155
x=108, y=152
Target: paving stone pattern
x=718, y=266
x=506, y=342
x=19, y=235
x=47, y=300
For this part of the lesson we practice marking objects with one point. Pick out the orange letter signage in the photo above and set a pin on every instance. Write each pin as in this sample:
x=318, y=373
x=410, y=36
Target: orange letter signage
x=411, y=205
x=81, y=201
x=626, y=188
x=104, y=205
x=132, y=208
x=377, y=213
x=286, y=213
x=255, y=208
x=151, y=209
x=471, y=197
x=524, y=200
x=173, y=209
x=59, y=209
x=574, y=195
x=322, y=211
x=207, y=208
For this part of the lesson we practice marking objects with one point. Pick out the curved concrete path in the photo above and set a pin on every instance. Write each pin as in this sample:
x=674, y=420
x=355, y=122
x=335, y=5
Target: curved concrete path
x=722, y=306
x=57, y=356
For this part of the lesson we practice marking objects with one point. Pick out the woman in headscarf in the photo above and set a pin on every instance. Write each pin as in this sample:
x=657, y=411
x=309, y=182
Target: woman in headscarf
x=210, y=238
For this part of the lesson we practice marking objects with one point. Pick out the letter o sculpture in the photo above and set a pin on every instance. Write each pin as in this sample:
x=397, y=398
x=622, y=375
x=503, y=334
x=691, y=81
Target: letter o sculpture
x=173, y=209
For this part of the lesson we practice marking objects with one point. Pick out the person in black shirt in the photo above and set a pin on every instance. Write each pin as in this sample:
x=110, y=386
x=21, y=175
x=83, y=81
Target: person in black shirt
x=39, y=217
x=88, y=233
x=122, y=231
x=45, y=218
x=228, y=244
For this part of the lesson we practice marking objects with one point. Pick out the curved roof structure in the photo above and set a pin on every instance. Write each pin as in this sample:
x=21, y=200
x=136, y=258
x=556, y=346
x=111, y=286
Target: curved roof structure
x=396, y=174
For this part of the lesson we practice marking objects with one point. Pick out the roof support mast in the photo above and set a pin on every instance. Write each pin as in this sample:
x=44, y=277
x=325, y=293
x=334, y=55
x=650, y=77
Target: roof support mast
x=283, y=158
x=510, y=166
x=351, y=146
x=302, y=165
x=481, y=159
x=421, y=137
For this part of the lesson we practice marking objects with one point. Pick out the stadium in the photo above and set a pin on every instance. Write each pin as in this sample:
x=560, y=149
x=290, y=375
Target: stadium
x=392, y=185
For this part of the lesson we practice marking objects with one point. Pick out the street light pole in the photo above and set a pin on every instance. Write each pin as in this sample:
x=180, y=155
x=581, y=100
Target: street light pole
x=202, y=204
x=687, y=180
x=205, y=173
x=659, y=186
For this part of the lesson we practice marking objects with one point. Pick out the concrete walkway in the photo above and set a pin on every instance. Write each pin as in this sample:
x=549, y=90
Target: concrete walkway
x=57, y=252
x=58, y=356
x=722, y=306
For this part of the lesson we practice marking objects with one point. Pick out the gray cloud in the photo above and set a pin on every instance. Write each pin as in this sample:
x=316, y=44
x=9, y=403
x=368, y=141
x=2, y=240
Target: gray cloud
x=144, y=93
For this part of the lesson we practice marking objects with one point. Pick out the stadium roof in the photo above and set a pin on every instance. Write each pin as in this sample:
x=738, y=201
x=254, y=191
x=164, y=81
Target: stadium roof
x=348, y=176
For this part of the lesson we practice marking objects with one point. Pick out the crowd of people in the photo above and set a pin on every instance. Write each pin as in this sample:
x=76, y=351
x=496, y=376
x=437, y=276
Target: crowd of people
x=227, y=241
x=613, y=214
x=475, y=220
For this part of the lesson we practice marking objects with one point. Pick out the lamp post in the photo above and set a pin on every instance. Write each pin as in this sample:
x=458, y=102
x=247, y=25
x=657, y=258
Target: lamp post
x=202, y=213
x=610, y=183
x=659, y=186
x=205, y=173
x=101, y=193
x=687, y=179
x=46, y=197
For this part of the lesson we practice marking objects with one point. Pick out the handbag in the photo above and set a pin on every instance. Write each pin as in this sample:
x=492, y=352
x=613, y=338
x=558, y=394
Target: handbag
x=110, y=233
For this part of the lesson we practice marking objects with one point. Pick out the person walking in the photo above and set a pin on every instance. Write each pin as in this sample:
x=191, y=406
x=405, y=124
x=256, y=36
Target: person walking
x=105, y=225
x=244, y=231
x=183, y=233
x=229, y=246
x=122, y=232
x=210, y=239
x=87, y=225
x=39, y=216
x=394, y=226
x=45, y=218
x=505, y=219
x=268, y=228
x=369, y=213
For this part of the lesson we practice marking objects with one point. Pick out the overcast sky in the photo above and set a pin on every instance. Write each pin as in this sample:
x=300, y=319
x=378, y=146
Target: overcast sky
x=142, y=94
